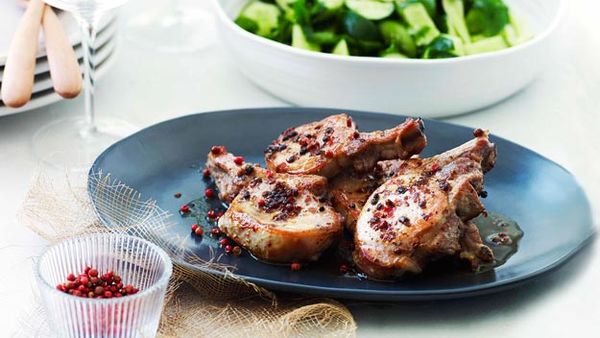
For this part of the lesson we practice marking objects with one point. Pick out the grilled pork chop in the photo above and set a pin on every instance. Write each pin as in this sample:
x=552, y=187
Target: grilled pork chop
x=327, y=146
x=277, y=217
x=350, y=190
x=230, y=177
x=423, y=213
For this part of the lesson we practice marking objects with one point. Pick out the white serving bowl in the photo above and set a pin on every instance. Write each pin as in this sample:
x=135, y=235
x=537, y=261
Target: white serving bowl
x=428, y=88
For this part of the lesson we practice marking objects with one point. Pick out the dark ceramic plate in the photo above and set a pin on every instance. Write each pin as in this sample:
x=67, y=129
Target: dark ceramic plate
x=541, y=196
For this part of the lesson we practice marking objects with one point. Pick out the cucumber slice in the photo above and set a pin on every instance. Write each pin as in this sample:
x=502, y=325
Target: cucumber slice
x=285, y=3
x=288, y=8
x=517, y=31
x=266, y=16
x=394, y=56
x=459, y=46
x=455, y=10
x=486, y=45
x=395, y=33
x=371, y=9
x=332, y=5
x=478, y=37
x=415, y=14
x=521, y=26
x=322, y=38
x=299, y=40
x=430, y=5
x=341, y=48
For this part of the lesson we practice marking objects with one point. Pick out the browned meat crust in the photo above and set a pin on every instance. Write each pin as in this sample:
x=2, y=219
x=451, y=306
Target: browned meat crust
x=277, y=217
x=423, y=213
x=230, y=177
x=332, y=144
x=350, y=190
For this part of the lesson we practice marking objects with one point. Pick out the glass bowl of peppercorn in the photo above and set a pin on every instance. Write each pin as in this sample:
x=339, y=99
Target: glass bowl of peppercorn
x=103, y=285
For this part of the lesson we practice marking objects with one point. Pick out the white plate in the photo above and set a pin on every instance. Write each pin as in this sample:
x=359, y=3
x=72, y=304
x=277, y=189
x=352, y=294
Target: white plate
x=10, y=14
x=104, y=35
x=43, y=81
x=48, y=96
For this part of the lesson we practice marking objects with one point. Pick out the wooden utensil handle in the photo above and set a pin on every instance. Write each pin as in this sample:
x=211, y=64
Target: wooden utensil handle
x=17, y=81
x=64, y=67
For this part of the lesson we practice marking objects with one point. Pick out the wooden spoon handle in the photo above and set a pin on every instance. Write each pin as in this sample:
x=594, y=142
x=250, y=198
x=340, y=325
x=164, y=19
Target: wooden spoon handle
x=17, y=81
x=64, y=67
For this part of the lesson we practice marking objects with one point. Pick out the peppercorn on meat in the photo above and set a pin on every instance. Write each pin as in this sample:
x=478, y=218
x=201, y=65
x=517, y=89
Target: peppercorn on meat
x=350, y=190
x=403, y=211
x=277, y=217
x=423, y=213
x=333, y=144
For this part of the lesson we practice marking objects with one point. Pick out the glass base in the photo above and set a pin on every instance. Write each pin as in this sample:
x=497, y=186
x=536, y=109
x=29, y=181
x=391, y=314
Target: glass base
x=71, y=145
x=173, y=29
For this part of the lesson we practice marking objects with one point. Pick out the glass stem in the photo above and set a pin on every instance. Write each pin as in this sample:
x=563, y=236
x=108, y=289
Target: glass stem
x=88, y=43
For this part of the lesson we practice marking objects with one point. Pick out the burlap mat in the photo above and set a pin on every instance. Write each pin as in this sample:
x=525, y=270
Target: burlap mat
x=198, y=304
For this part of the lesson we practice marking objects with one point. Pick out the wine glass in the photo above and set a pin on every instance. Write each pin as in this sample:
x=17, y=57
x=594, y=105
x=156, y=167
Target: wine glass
x=175, y=26
x=75, y=143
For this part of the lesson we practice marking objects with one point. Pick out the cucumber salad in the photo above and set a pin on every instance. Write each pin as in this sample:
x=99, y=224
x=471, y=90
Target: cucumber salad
x=421, y=29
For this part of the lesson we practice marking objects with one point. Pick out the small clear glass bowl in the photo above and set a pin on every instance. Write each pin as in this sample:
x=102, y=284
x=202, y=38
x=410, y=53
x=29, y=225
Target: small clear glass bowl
x=137, y=261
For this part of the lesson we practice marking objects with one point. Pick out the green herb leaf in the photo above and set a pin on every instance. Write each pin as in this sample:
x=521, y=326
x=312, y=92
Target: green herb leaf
x=487, y=17
x=323, y=38
x=360, y=28
x=440, y=48
x=247, y=24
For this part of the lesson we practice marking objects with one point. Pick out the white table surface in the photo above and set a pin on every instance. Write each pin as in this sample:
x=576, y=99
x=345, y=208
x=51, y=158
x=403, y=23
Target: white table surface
x=557, y=116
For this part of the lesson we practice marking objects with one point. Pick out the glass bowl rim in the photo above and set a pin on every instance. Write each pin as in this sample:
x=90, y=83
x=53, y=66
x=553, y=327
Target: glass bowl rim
x=163, y=280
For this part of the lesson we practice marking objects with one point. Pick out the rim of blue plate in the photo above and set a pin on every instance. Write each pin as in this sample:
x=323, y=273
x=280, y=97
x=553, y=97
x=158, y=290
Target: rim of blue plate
x=352, y=293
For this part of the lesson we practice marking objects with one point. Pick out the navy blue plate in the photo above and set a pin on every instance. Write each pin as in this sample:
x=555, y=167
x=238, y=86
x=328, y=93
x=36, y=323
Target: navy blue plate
x=541, y=196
